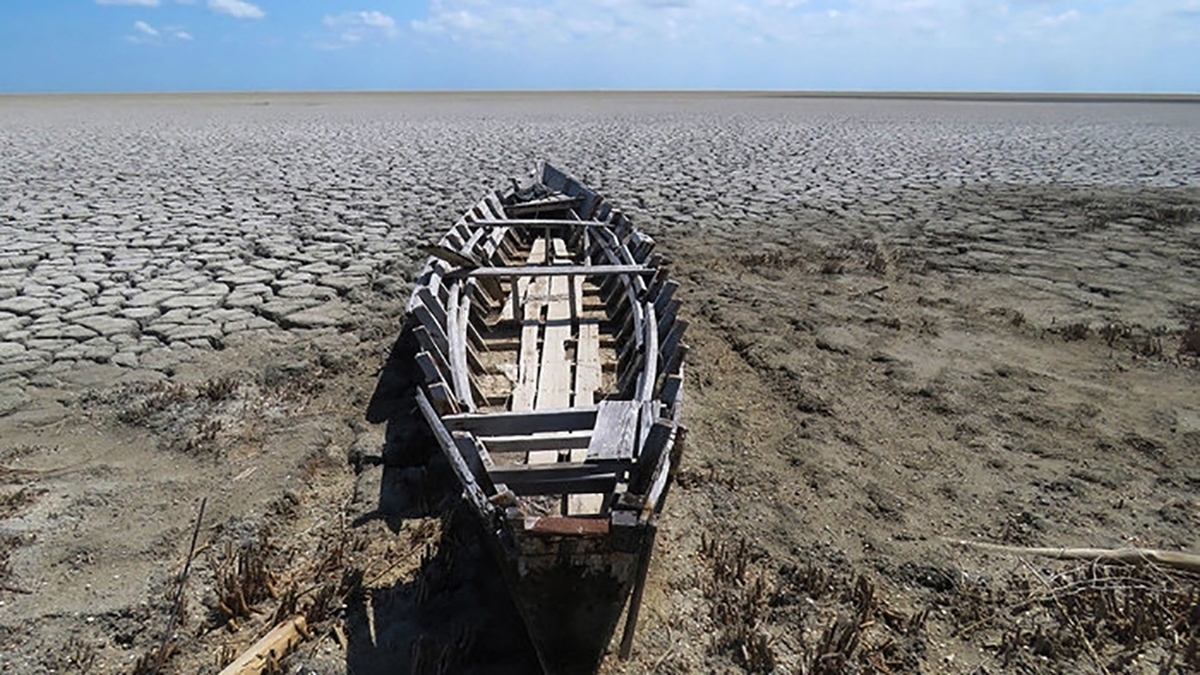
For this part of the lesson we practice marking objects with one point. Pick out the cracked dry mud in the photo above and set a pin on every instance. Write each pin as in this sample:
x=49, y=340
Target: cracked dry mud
x=911, y=321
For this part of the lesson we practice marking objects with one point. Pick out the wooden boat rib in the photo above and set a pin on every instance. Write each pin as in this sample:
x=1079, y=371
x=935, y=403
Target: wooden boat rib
x=552, y=359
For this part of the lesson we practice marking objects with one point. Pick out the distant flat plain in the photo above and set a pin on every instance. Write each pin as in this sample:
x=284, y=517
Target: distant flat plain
x=913, y=317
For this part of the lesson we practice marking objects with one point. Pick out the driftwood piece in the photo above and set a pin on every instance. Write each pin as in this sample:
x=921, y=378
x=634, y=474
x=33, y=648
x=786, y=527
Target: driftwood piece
x=272, y=647
x=1186, y=562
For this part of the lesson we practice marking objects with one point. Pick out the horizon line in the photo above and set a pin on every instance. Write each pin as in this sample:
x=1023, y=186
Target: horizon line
x=946, y=95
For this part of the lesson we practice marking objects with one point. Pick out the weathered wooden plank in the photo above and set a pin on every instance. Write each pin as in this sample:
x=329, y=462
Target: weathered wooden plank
x=437, y=345
x=518, y=472
x=649, y=374
x=666, y=319
x=528, y=363
x=442, y=398
x=675, y=361
x=588, y=378
x=632, y=290
x=457, y=336
x=629, y=374
x=548, y=204
x=672, y=343
x=477, y=460
x=648, y=461
x=554, y=373
x=602, y=484
x=550, y=271
x=648, y=415
x=671, y=390
x=531, y=298
x=614, y=436
x=450, y=255
x=558, y=224
x=560, y=478
x=495, y=209
x=663, y=295
x=554, y=377
x=587, y=363
x=619, y=252
x=566, y=440
x=667, y=468
x=473, y=249
x=432, y=302
x=472, y=490
x=524, y=422
x=428, y=368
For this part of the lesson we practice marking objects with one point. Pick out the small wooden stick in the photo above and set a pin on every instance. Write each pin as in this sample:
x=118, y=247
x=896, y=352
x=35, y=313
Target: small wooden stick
x=1186, y=562
x=873, y=291
x=177, y=606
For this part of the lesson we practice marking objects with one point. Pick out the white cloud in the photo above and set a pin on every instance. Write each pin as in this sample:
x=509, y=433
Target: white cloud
x=146, y=34
x=236, y=8
x=355, y=27
x=1069, y=16
x=142, y=3
x=821, y=43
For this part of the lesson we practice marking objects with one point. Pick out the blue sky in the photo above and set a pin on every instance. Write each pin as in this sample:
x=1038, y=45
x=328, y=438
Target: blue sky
x=904, y=45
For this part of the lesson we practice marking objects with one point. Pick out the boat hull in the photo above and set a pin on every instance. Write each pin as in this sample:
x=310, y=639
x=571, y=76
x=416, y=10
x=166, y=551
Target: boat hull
x=551, y=368
x=570, y=591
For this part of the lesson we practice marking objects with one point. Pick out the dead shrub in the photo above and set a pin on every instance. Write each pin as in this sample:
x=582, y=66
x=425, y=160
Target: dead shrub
x=151, y=400
x=1074, y=332
x=1107, y=614
x=76, y=656
x=776, y=260
x=219, y=389
x=1149, y=346
x=14, y=503
x=833, y=266
x=8, y=544
x=1113, y=332
x=1189, y=342
x=151, y=662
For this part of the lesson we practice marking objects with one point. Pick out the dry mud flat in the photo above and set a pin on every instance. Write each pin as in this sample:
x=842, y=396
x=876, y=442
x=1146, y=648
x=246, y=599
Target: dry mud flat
x=911, y=322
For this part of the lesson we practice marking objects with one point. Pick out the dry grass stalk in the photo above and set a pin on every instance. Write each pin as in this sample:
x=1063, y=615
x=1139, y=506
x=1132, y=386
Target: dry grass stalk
x=738, y=607
x=244, y=579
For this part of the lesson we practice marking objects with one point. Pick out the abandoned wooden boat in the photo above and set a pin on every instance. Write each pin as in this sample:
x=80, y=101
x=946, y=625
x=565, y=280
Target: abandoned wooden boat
x=552, y=361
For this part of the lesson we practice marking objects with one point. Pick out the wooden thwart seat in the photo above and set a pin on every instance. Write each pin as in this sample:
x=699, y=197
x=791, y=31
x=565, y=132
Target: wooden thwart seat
x=616, y=426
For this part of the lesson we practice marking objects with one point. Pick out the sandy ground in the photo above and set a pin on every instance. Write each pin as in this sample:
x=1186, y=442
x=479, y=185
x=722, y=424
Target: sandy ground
x=912, y=322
